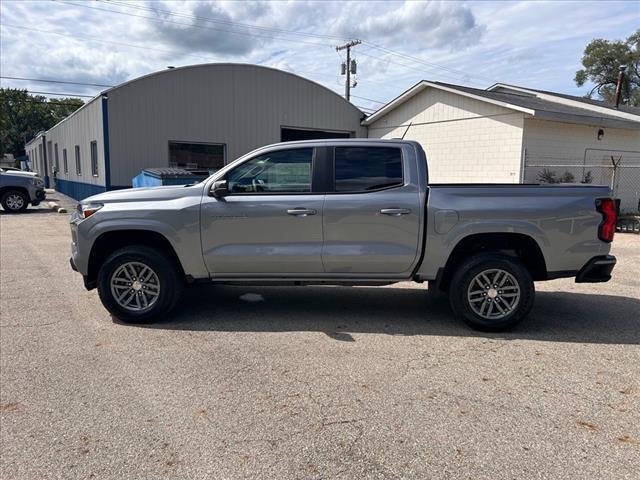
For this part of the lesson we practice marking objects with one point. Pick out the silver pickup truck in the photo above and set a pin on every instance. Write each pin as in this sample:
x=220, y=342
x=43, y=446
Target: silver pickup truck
x=342, y=212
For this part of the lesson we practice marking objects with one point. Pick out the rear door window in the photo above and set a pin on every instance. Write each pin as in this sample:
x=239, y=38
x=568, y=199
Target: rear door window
x=365, y=169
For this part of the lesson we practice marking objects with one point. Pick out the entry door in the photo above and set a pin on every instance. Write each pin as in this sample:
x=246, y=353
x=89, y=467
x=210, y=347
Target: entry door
x=372, y=220
x=270, y=223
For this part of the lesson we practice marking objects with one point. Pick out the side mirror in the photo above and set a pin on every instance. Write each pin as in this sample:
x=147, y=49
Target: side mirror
x=219, y=189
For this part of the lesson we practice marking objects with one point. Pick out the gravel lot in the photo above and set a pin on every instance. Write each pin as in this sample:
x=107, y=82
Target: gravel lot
x=311, y=382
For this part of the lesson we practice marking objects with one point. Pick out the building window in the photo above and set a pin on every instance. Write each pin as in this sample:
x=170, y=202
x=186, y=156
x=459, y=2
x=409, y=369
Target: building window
x=361, y=169
x=41, y=162
x=56, y=164
x=65, y=165
x=78, y=165
x=50, y=154
x=193, y=156
x=94, y=158
x=289, y=134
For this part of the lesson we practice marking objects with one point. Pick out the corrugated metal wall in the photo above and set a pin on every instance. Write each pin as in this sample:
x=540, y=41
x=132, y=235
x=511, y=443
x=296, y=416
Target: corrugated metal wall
x=242, y=106
x=80, y=128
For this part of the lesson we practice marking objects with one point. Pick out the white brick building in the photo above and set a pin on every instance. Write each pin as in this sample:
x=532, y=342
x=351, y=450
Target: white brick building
x=508, y=134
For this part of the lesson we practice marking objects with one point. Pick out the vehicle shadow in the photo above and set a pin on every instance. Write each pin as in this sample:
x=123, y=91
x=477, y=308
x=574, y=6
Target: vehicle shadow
x=28, y=211
x=341, y=311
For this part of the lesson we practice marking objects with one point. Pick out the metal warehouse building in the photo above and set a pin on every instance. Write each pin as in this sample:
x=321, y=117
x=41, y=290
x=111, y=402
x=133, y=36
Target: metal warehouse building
x=198, y=117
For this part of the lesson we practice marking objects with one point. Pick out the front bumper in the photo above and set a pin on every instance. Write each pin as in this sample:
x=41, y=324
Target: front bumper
x=597, y=270
x=88, y=284
x=40, y=194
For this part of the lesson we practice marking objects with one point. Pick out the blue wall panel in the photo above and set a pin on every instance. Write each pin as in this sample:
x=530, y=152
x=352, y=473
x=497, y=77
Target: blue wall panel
x=78, y=190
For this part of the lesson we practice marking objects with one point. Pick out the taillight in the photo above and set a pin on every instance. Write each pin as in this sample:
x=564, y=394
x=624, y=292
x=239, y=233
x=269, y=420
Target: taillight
x=607, y=207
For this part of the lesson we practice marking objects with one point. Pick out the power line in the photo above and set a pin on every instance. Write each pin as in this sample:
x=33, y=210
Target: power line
x=291, y=32
x=224, y=22
x=368, y=99
x=424, y=62
x=55, y=81
x=410, y=67
x=60, y=94
x=191, y=24
x=94, y=39
x=99, y=40
x=52, y=101
x=294, y=32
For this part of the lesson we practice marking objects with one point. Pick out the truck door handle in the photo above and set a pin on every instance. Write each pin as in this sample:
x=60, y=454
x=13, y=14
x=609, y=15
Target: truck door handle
x=395, y=212
x=301, y=212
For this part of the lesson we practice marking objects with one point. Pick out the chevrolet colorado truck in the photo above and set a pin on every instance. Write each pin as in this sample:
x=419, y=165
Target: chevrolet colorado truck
x=342, y=212
x=18, y=189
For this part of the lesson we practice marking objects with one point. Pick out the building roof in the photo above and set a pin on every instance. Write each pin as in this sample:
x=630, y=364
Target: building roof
x=528, y=102
x=237, y=66
x=204, y=66
x=586, y=100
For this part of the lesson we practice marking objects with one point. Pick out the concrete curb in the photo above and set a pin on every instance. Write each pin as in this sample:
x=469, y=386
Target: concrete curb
x=56, y=207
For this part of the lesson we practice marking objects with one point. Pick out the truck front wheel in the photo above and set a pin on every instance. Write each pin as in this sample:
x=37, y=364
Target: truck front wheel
x=15, y=201
x=491, y=291
x=139, y=284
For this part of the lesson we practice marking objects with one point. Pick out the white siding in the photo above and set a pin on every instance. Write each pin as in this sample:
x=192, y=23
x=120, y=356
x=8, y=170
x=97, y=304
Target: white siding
x=465, y=140
x=32, y=150
x=559, y=146
x=80, y=128
x=241, y=106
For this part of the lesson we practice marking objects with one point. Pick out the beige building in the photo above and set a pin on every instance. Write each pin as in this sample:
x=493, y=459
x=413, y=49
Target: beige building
x=512, y=134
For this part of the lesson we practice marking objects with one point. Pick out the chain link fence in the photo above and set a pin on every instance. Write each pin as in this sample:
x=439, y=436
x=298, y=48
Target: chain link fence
x=620, y=170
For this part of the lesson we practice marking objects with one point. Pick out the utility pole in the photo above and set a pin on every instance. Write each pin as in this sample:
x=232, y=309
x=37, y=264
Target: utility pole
x=621, y=70
x=348, y=68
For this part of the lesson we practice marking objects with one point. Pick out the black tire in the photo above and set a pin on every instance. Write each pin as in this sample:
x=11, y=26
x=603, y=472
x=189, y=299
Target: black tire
x=171, y=283
x=465, y=274
x=9, y=198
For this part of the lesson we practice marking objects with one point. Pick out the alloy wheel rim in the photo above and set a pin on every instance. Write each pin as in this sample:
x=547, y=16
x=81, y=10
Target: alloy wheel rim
x=135, y=286
x=493, y=294
x=15, y=202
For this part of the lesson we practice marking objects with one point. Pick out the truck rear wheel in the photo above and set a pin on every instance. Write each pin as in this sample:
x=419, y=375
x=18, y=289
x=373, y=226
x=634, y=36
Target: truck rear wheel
x=139, y=284
x=491, y=292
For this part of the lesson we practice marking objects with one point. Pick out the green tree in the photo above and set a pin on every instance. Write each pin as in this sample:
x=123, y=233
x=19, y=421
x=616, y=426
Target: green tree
x=23, y=115
x=601, y=61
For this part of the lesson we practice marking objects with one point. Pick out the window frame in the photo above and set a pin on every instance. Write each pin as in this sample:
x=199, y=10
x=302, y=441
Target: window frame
x=78, y=160
x=332, y=173
x=93, y=148
x=211, y=144
x=65, y=162
x=56, y=157
x=312, y=174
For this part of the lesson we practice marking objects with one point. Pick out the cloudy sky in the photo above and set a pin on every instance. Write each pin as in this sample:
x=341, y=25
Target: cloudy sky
x=536, y=44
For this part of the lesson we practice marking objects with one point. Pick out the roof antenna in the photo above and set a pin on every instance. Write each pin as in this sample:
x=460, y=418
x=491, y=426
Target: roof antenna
x=405, y=132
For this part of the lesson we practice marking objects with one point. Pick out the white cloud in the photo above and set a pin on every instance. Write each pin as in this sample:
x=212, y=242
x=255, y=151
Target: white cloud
x=537, y=44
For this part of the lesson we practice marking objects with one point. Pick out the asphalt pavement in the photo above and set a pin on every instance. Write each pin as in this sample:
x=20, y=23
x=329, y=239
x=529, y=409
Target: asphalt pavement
x=310, y=382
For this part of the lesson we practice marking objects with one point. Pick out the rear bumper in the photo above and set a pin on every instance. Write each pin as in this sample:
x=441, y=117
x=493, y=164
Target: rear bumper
x=597, y=270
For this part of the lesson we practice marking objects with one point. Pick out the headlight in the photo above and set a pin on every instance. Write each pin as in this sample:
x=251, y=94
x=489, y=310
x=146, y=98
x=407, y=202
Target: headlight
x=87, y=209
x=37, y=181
